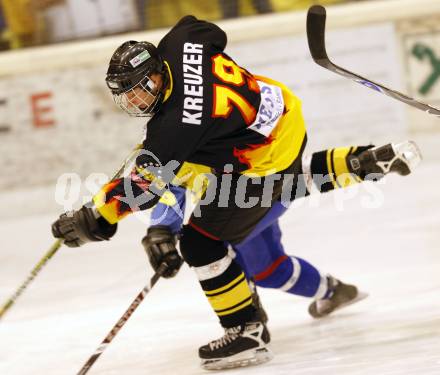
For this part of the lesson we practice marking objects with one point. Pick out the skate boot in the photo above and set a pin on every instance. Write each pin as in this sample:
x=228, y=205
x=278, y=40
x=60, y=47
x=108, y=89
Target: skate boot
x=374, y=163
x=341, y=295
x=261, y=314
x=244, y=345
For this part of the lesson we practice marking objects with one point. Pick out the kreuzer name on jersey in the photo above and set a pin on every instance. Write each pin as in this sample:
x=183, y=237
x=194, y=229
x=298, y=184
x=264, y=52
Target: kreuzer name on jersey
x=193, y=83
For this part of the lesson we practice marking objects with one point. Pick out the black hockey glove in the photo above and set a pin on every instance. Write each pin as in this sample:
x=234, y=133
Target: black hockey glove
x=160, y=246
x=79, y=227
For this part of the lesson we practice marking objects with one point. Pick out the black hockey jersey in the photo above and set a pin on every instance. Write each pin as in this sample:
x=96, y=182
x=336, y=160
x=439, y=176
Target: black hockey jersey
x=215, y=113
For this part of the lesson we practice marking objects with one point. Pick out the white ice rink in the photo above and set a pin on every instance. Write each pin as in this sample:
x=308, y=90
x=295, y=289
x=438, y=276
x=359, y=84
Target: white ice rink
x=391, y=251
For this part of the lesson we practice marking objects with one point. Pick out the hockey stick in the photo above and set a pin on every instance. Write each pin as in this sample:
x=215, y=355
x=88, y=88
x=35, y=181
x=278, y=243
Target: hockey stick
x=124, y=318
x=50, y=253
x=56, y=245
x=316, y=37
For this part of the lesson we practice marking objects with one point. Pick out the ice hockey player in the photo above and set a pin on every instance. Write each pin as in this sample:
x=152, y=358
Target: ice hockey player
x=206, y=109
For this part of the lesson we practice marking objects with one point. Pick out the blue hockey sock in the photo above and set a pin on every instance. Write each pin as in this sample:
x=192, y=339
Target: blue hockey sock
x=296, y=276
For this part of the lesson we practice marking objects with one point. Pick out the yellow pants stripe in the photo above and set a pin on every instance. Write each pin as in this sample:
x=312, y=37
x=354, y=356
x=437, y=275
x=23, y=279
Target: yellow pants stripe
x=237, y=280
x=230, y=299
x=245, y=303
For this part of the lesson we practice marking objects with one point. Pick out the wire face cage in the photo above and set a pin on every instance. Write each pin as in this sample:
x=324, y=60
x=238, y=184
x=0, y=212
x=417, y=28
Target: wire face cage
x=140, y=100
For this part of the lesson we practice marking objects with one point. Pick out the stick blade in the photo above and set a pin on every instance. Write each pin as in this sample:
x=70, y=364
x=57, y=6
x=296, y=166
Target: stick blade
x=316, y=17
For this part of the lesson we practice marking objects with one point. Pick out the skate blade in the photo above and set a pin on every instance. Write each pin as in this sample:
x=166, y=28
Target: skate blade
x=324, y=314
x=360, y=296
x=250, y=357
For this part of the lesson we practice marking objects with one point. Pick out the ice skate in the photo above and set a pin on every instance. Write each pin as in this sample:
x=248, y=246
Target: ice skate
x=241, y=346
x=343, y=295
x=400, y=158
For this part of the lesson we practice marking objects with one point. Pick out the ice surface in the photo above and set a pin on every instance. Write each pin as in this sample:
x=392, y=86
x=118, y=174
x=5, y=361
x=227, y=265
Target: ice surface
x=392, y=252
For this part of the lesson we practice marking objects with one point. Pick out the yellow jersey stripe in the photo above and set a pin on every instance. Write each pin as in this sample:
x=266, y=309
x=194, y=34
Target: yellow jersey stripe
x=343, y=176
x=356, y=177
x=169, y=90
x=329, y=167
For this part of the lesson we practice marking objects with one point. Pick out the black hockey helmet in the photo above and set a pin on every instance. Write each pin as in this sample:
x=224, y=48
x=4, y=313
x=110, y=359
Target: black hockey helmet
x=128, y=77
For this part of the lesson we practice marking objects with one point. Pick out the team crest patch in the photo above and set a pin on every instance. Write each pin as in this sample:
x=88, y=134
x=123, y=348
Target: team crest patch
x=139, y=59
